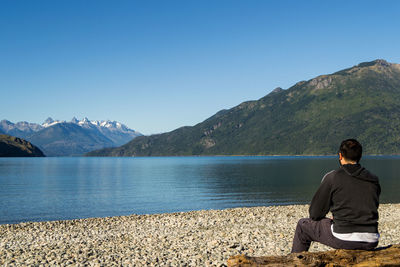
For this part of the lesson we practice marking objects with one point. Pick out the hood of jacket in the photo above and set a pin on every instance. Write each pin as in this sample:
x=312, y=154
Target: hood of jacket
x=359, y=172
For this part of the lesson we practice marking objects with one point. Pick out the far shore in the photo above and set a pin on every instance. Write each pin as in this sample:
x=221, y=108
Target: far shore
x=189, y=156
x=196, y=238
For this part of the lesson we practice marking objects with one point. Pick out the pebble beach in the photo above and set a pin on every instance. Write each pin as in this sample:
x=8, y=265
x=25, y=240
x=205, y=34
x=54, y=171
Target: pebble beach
x=197, y=238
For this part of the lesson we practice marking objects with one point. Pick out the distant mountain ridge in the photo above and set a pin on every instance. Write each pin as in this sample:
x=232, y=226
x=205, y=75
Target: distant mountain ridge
x=74, y=138
x=309, y=118
x=11, y=146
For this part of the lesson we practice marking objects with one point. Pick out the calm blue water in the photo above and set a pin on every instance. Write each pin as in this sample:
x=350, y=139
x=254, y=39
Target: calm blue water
x=40, y=189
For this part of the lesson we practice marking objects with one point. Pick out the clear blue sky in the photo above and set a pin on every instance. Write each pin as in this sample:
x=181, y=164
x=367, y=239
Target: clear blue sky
x=160, y=65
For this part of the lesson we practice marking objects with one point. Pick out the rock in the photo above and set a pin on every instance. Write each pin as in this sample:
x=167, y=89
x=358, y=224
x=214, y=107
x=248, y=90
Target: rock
x=11, y=146
x=386, y=256
x=197, y=238
x=277, y=90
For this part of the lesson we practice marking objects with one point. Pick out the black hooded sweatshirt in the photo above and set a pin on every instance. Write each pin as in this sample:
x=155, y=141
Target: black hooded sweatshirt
x=351, y=193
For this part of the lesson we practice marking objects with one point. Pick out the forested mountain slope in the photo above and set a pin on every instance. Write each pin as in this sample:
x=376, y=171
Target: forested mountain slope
x=311, y=117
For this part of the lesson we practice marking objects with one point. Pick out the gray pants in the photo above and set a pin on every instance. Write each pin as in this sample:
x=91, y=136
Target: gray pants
x=308, y=230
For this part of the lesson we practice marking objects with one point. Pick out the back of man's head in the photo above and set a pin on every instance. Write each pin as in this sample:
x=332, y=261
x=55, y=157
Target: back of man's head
x=351, y=149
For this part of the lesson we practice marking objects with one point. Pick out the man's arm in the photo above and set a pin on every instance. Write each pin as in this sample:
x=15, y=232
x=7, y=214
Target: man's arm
x=321, y=201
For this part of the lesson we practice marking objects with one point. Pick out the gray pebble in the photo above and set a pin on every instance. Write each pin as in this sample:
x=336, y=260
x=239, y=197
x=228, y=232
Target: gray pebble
x=197, y=238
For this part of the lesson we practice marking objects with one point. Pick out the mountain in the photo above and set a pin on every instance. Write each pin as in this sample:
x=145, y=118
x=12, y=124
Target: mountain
x=309, y=118
x=11, y=146
x=117, y=132
x=21, y=129
x=74, y=138
x=68, y=139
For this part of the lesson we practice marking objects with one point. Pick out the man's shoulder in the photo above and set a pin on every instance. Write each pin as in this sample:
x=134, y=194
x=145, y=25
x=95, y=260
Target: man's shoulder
x=370, y=174
x=329, y=175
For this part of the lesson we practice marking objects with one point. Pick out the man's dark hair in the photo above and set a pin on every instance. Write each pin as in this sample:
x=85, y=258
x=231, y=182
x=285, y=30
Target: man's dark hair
x=351, y=149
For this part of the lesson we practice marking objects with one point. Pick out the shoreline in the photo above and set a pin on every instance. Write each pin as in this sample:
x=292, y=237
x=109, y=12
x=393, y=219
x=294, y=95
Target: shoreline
x=199, y=156
x=195, y=238
x=167, y=213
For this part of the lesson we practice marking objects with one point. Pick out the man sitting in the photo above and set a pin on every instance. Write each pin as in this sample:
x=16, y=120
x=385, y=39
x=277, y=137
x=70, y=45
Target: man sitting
x=351, y=193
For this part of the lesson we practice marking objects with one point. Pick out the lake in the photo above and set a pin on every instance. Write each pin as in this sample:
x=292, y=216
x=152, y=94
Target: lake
x=41, y=189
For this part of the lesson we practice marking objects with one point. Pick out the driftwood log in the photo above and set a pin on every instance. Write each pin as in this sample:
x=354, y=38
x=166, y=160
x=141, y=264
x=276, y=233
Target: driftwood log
x=385, y=256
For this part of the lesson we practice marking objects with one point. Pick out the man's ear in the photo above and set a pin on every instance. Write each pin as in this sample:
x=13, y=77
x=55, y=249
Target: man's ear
x=340, y=156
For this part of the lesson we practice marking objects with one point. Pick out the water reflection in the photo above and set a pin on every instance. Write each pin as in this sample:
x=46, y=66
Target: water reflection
x=67, y=188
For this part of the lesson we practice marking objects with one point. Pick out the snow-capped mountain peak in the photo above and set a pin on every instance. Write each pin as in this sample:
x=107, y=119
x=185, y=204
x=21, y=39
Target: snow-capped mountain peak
x=19, y=129
x=97, y=134
x=85, y=123
x=50, y=122
x=108, y=124
x=74, y=120
x=115, y=126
